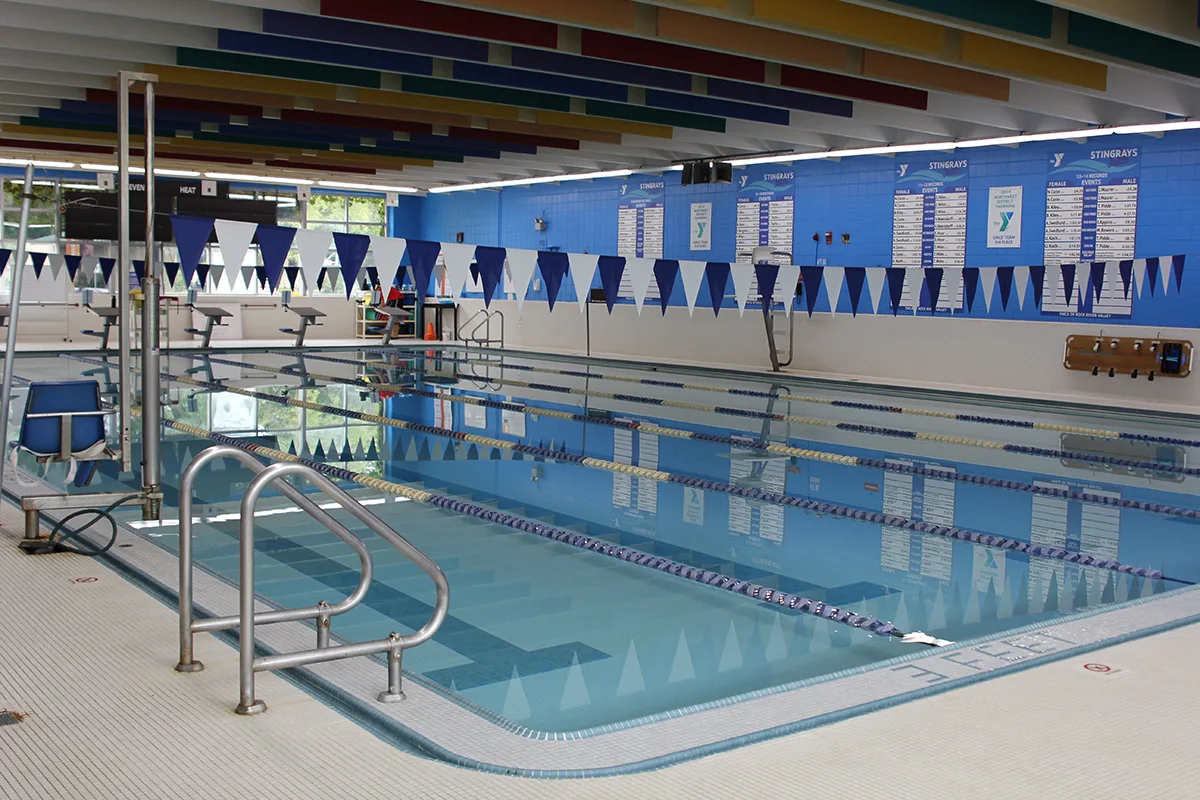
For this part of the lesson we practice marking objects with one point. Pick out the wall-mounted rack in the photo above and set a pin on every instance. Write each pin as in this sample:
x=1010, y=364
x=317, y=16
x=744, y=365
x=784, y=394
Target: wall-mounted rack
x=1137, y=357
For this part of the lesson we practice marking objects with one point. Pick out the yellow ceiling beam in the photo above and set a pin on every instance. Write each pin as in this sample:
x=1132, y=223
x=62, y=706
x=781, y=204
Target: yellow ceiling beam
x=566, y=120
x=997, y=54
x=845, y=19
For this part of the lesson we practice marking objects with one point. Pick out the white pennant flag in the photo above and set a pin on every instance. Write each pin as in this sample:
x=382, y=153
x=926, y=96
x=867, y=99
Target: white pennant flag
x=743, y=276
x=692, y=273
x=833, y=277
x=583, y=270
x=88, y=265
x=234, y=238
x=56, y=263
x=1083, y=271
x=1164, y=268
x=639, y=271
x=521, y=264
x=915, y=277
x=875, y=279
x=1021, y=284
x=458, y=265
x=247, y=276
x=1112, y=279
x=987, y=281
x=1139, y=276
x=785, y=286
x=313, y=247
x=952, y=286
x=388, y=253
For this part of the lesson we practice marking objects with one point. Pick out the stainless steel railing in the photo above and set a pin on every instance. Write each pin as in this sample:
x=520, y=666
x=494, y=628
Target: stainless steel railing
x=485, y=318
x=394, y=645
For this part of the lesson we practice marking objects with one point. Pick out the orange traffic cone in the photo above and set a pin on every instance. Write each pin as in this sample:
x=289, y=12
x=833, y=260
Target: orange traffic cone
x=430, y=336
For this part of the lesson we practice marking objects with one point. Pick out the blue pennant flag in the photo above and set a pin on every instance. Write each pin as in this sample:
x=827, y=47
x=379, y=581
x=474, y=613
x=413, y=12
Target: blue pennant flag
x=106, y=268
x=489, y=262
x=933, y=282
x=1004, y=277
x=1098, y=268
x=202, y=270
x=39, y=261
x=855, y=278
x=665, y=271
x=351, y=249
x=274, y=244
x=292, y=274
x=1152, y=274
x=611, y=269
x=191, y=235
x=372, y=453
x=1068, y=279
x=554, y=267
x=1037, y=274
x=73, y=263
x=717, y=273
x=474, y=270
x=1177, y=263
x=372, y=277
x=321, y=279
x=422, y=256
x=171, y=268
x=1126, y=268
x=810, y=279
x=4, y=254
x=260, y=275
x=139, y=269
x=767, y=275
x=895, y=282
x=970, y=286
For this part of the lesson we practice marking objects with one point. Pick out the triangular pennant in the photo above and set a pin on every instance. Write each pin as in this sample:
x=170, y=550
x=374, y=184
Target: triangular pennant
x=665, y=272
x=855, y=278
x=39, y=261
x=234, y=238
x=970, y=278
x=192, y=233
x=1164, y=265
x=717, y=273
x=388, y=253
x=834, y=276
x=331, y=275
x=743, y=276
x=274, y=243
x=875, y=279
x=1177, y=264
x=293, y=276
x=491, y=266
x=56, y=264
x=785, y=286
x=313, y=248
x=987, y=280
x=553, y=266
x=639, y=270
x=521, y=264
x=895, y=280
x=72, y=264
x=352, y=250
x=260, y=277
x=583, y=272
x=4, y=254
x=474, y=272
x=217, y=271
x=812, y=279
x=422, y=256
x=188, y=274
x=1021, y=284
x=202, y=270
x=1097, y=274
x=458, y=265
x=692, y=273
x=915, y=276
x=106, y=268
x=766, y=276
x=1037, y=275
x=372, y=453
x=1139, y=276
x=247, y=274
x=1004, y=278
x=1126, y=270
x=952, y=283
x=171, y=270
x=933, y=282
x=1152, y=274
x=1068, y=281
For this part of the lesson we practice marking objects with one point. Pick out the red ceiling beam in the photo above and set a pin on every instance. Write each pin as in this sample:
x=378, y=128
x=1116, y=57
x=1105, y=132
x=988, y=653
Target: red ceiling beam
x=67, y=147
x=327, y=118
x=447, y=19
x=489, y=135
x=630, y=50
x=305, y=164
x=178, y=103
x=811, y=80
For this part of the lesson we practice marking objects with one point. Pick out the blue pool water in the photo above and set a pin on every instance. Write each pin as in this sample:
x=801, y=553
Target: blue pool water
x=559, y=638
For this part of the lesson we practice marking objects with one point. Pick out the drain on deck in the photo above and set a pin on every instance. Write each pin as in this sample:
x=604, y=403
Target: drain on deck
x=11, y=717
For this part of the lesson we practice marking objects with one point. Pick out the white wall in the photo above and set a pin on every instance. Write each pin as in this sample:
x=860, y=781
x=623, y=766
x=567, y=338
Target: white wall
x=987, y=356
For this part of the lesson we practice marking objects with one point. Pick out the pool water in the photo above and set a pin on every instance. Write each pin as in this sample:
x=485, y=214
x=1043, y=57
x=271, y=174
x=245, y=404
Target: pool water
x=555, y=637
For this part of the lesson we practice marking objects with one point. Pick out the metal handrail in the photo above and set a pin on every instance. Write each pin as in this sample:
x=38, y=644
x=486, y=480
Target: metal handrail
x=246, y=619
x=486, y=324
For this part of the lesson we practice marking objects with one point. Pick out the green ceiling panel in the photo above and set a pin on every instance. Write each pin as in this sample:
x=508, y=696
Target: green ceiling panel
x=488, y=94
x=702, y=122
x=1133, y=45
x=1019, y=16
x=277, y=67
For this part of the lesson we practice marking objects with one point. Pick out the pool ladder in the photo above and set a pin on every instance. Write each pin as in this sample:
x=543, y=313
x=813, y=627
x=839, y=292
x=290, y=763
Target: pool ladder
x=269, y=475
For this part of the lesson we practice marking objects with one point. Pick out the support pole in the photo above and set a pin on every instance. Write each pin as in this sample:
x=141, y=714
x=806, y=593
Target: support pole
x=151, y=391
x=10, y=342
x=124, y=263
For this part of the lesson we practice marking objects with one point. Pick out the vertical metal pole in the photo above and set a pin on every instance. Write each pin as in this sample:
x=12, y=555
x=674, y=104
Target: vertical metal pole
x=151, y=391
x=394, y=693
x=10, y=342
x=247, y=704
x=124, y=263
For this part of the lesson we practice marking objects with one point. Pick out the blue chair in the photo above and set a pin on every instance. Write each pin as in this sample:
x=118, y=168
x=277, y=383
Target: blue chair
x=64, y=423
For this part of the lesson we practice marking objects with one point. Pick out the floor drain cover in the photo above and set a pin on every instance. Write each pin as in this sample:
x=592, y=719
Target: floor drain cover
x=11, y=717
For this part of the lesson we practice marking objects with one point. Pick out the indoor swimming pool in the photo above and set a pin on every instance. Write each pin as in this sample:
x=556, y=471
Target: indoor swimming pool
x=624, y=544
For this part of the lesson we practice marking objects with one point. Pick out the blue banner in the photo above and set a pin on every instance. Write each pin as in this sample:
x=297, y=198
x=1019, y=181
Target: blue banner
x=765, y=210
x=929, y=213
x=640, y=216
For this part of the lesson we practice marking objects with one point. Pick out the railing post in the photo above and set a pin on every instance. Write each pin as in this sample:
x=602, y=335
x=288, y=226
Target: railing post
x=323, y=623
x=393, y=694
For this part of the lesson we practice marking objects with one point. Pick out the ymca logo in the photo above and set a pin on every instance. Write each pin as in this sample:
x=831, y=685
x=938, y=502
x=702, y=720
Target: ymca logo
x=903, y=170
x=624, y=188
x=991, y=561
x=700, y=226
x=1058, y=157
x=1005, y=218
x=744, y=179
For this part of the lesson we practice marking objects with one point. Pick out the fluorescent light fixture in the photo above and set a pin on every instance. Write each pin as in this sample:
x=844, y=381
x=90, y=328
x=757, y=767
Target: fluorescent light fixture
x=999, y=141
x=367, y=187
x=230, y=176
x=177, y=173
x=579, y=176
x=86, y=186
x=21, y=182
x=675, y=168
x=171, y=173
x=20, y=162
x=99, y=167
